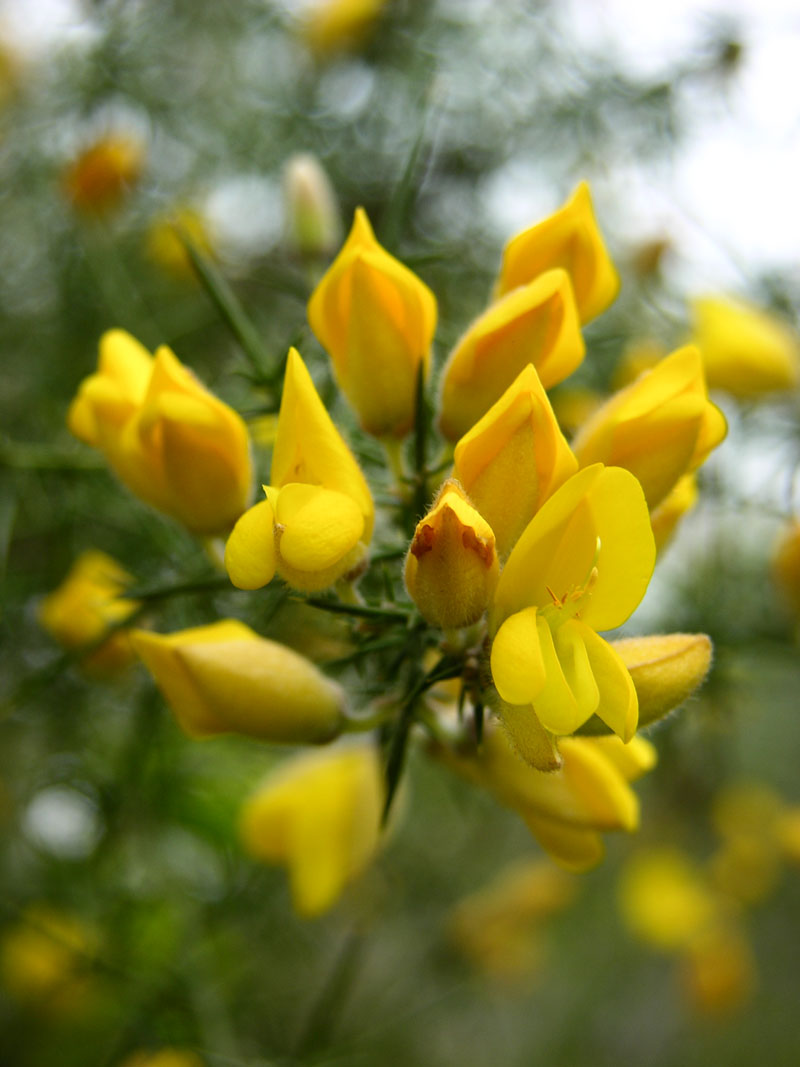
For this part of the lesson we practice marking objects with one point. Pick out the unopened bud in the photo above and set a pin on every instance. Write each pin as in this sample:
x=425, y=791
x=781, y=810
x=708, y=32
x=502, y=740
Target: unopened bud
x=312, y=216
x=665, y=668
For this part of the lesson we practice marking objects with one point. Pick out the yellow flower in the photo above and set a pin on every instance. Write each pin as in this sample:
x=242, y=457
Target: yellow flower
x=665, y=669
x=664, y=901
x=746, y=352
x=498, y=927
x=165, y=1057
x=319, y=815
x=224, y=678
x=582, y=565
x=99, y=177
x=786, y=565
x=340, y=25
x=314, y=526
x=451, y=567
x=46, y=961
x=565, y=809
x=536, y=323
x=164, y=246
x=85, y=606
x=573, y=405
x=168, y=439
x=570, y=239
x=746, y=866
x=312, y=215
x=719, y=971
x=376, y=320
x=665, y=518
x=513, y=459
x=661, y=427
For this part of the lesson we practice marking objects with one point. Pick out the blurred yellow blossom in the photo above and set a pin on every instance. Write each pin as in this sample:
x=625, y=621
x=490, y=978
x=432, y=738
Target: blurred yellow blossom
x=570, y=238
x=573, y=405
x=635, y=360
x=166, y=437
x=660, y=428
x=318, y=815
x=582, y=565
x=452, y=567
x=746, y=351
x=164, y=246
x=97, y=179
x=746, y=865
x=165, y=1057
x=85, y=606
x=316, y=522
x=536, y=323
x=331, y=26
x=513, y=459
x=664, y=899
x=224, y=678
x=718, y=970
x=376, y=320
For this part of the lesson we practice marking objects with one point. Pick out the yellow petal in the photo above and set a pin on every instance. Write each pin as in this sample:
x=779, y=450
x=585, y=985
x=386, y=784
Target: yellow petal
x=126, y=362
x=573, y=847
x=518, y=667
x=599, y=785
x=319, y=526
x=618, y=704
x=250, y=549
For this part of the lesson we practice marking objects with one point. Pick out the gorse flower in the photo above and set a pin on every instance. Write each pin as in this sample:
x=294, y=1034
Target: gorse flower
x=370, y=312
x=570, y=239
x=165, y=436
x=224, y=678
x=317, y=519
x=97, y=180
x=319, y=816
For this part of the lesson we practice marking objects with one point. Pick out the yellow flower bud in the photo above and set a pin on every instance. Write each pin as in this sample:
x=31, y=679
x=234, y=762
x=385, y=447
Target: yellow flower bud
x=224, y=678
x=332, y=26
x=97, y=180
x=666, y=669
x=746, y=352
x=537, y=323
x=565, y=809
x=664, y=900
x=318, y=815
x=165, y=436
x=312, y=216
x=661, y=427
x=665, y=518
x=316, y=522
x=164, y=246
x=452, y=567
x=571, y=239
x=86, y=604
x=376, y=320
x=511, y=461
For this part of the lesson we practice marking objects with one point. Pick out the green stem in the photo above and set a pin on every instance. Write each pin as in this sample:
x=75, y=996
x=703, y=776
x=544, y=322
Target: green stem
x=321, y=1020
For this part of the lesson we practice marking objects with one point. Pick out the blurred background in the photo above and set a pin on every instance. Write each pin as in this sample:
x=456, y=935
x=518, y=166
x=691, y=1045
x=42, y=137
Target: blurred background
x=131, y=918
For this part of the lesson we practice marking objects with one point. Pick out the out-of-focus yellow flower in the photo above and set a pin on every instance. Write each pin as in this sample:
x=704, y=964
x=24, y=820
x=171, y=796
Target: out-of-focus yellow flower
x=746, y=866
x=513, y=459
x=164, y=246
x=582, y=565
x=97, y=180
x=661, y=427
x=85, y=606
x=318, y=814
x=498, y=928
x=332, y=26
x=746, y=352
x=664, y=900
x=165, y=436
x=679, y=500
x=316, y=522
x=665, y=668
x=787, y=834
x=719, y=971
x=224, y=678
x=571, y=239
x=313, y=223
x=376, y=320
x=786, y=565
x=46, y=959
x=452, y=567
x=165, y=1057
x=536, y=323
x=573, y=405
x=565, y=809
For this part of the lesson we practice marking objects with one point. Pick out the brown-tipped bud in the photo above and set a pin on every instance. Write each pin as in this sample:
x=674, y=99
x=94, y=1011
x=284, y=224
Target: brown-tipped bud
x=666, y=669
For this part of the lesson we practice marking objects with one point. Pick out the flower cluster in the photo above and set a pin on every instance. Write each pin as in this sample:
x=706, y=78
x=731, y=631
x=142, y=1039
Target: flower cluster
x=521, y=551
